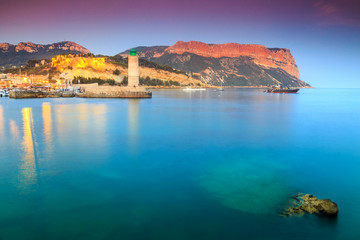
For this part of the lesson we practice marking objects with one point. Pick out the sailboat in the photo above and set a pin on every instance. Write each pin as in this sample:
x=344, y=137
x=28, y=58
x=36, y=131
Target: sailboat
x=193, y=89
x=221, y=88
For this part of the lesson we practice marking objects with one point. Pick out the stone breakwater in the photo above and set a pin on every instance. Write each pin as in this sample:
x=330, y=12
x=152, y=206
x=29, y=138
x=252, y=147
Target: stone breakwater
x=115, y=92
x=40, y=94
x=94, y=92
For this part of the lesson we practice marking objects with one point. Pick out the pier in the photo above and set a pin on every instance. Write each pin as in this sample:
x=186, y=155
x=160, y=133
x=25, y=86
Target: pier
x=93, y=92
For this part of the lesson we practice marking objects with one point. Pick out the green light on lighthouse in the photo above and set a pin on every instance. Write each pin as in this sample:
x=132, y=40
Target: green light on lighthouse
x=133, y=52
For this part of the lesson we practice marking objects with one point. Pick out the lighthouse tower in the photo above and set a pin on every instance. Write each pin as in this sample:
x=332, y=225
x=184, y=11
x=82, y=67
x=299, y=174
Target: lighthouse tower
x=133, y=69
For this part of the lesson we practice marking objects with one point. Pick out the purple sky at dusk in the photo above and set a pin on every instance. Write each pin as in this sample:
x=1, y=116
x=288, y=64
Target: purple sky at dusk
x=323, y=36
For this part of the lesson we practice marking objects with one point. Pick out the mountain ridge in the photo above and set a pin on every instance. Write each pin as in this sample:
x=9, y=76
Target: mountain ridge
x=231, y=64
x=19, y=54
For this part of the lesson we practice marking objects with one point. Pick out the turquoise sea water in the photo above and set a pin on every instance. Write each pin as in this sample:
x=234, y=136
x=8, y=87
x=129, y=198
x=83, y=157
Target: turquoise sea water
x=182, y=165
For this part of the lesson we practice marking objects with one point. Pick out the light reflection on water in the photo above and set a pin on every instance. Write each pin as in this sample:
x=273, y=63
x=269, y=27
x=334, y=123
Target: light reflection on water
x=133, y=123
x=99, y=123
x=28, y=167
x=2, y=130
x=82, y=118
x=14, y=132
x=47, y=125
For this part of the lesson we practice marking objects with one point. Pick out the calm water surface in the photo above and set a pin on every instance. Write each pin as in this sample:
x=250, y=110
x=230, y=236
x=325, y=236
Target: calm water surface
x=182, y=165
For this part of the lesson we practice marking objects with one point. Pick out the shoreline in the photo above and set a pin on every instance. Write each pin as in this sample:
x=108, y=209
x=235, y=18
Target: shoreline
x=215, y=87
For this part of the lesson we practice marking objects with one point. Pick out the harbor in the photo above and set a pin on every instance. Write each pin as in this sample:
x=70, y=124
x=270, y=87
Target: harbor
x=92, y=90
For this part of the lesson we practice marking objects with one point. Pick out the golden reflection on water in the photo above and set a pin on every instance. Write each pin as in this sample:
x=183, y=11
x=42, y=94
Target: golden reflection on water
x=28, y=168
x=64, y=124
x=15, y=132
x=99, y=122
x=133, y=123
x=1, y=123
x=47, y=121
x=60, y=118
x=82, y=119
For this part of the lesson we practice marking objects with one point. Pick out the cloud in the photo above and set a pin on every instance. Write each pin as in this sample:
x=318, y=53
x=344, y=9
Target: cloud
x=337, y=12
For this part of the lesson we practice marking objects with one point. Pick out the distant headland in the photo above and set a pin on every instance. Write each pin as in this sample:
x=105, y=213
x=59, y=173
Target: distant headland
x=230, y=64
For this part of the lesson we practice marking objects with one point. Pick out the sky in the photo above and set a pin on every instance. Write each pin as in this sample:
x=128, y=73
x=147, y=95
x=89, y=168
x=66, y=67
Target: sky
x=323, y=36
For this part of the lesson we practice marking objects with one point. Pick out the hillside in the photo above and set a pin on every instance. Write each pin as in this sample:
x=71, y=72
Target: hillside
x=20, y=54
x=232, y=64
x=104, y=69
x=108, y=68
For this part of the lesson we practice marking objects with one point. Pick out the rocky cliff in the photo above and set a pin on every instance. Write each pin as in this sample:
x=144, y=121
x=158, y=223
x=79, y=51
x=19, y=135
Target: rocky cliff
x=16, y=55
x=232, y=63
x=267, y=57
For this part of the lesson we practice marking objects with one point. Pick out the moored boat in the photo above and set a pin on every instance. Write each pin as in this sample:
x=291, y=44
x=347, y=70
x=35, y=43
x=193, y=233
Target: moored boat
x=221, y=88
x=193, y=89
x=282, y=90
x=4, y=93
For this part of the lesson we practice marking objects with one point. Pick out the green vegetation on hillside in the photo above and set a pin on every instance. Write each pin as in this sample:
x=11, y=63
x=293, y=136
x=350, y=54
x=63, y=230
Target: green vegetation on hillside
x=84, y=80
x=116, y=72
x=147, y=81
x=119, y=60
x=35, y=67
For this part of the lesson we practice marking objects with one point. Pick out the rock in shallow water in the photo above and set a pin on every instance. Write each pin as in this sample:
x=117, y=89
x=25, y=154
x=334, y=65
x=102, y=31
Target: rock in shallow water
x=252, y=185
x=308, y=203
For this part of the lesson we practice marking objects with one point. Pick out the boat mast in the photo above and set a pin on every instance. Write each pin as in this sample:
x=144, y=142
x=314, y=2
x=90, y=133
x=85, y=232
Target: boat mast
x=190, y=75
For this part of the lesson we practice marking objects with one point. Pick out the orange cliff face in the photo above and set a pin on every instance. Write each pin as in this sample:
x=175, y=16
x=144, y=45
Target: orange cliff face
x=266, y=57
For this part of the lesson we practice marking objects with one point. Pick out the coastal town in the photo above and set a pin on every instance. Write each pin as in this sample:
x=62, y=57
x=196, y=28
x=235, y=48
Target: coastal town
x=40, y=86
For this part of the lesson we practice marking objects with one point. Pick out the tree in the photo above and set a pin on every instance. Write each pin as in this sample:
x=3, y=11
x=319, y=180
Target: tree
x=116, y=72
x=125, y=81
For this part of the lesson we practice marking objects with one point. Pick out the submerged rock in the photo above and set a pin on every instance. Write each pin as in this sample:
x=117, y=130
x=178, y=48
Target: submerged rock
x=308, y=203
x=252, y=185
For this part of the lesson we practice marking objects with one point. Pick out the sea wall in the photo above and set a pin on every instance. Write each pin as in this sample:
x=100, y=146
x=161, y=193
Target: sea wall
x=89, y=92
x=39, y=94
x=116, y=92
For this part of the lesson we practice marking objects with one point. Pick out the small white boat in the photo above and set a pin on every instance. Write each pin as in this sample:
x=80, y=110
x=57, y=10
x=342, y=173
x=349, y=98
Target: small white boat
x=4, y=93
x=221, y=88
x=194, y=89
